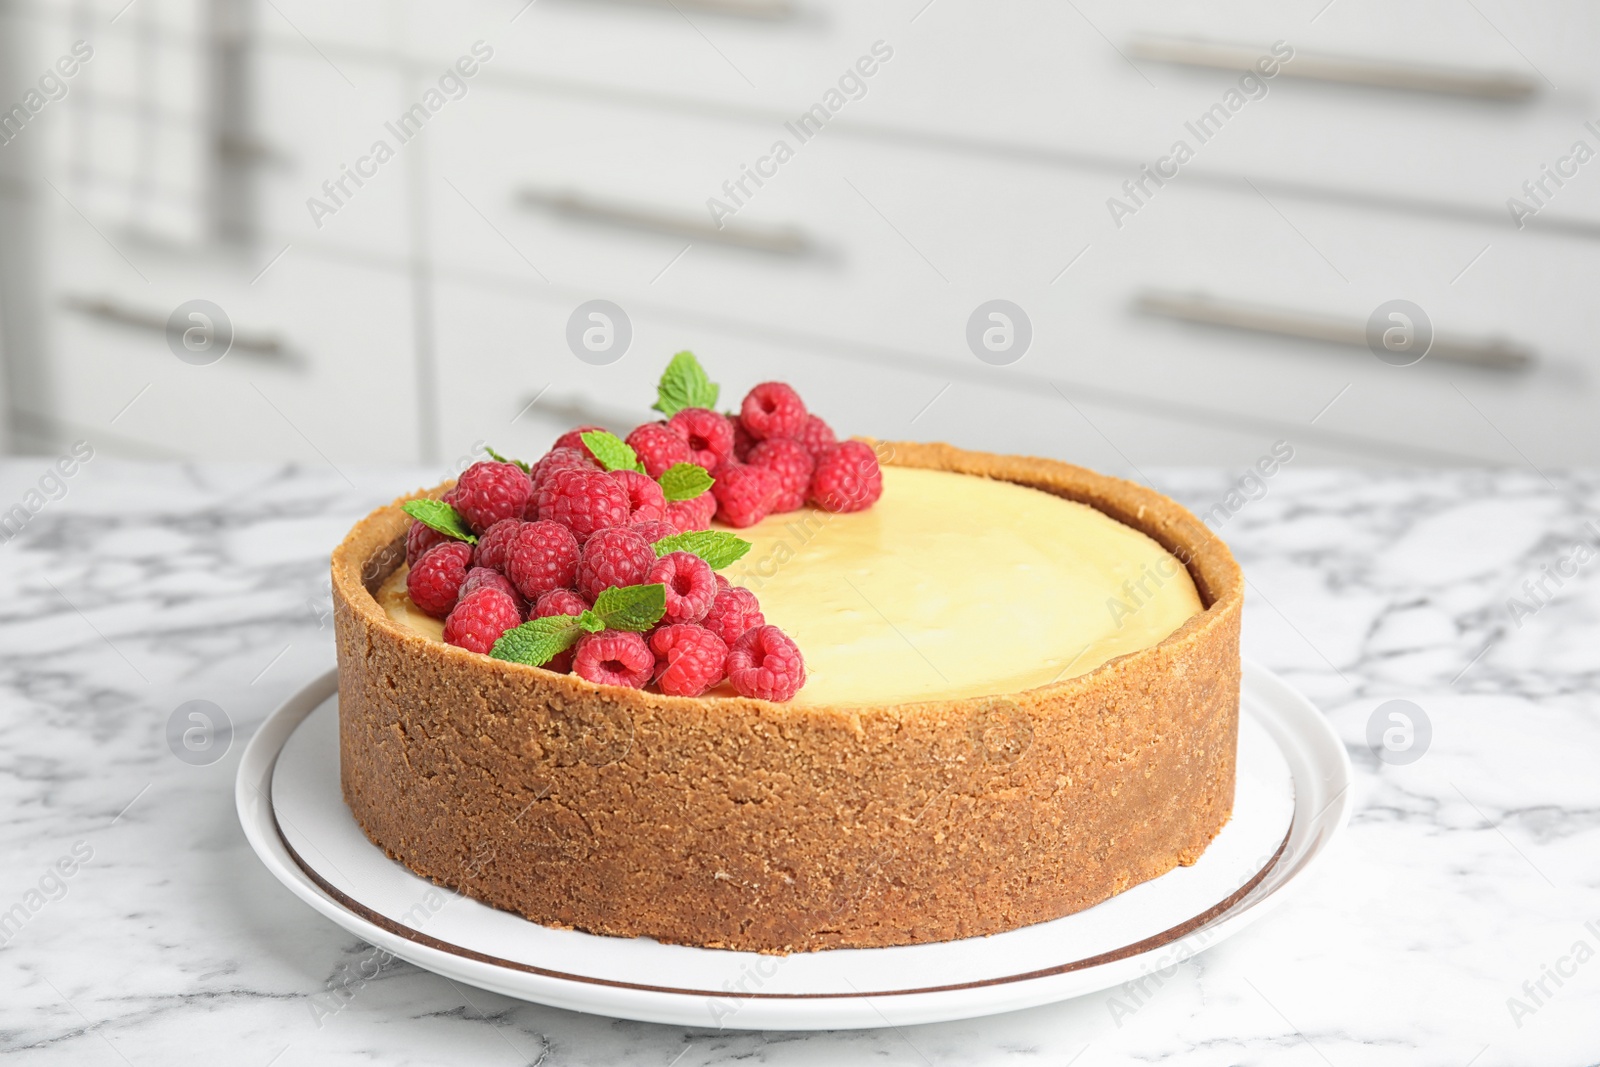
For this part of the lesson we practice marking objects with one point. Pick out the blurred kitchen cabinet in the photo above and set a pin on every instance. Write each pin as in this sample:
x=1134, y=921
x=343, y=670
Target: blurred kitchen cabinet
x=934, y=157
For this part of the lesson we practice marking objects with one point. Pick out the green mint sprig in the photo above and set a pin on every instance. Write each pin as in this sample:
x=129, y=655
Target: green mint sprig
x=613, y=452
x=685, y=481
x=632, y=607
x=437, y=515
x=542, y=640
x=498, y=458
x=635, y=608
x=684, y=384
x=718, y=548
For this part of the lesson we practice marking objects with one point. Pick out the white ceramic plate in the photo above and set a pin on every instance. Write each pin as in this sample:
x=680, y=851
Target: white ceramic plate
x=1292, y=799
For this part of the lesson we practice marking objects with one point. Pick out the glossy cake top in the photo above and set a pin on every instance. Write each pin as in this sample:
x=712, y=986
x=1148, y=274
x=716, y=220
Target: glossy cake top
x=951, y=586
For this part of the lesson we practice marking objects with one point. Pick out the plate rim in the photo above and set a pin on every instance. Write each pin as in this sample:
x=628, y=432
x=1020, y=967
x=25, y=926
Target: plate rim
x=258, y=818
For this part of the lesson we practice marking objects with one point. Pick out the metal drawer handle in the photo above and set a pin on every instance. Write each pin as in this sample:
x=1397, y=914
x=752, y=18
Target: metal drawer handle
x=777, y=240
x=766, y=10
x=263, y=346
x=1491, y=352
x=1349, y=70
x=573, y=407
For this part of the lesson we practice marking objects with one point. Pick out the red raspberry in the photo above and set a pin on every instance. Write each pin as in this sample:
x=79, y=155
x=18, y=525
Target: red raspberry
x=653, y=531
x=689, y=659
x=585, y=501
x=659, y=447
x=574, y=439
x=817, y=436
x=489, y=578
x=733, y=614
x=559, y=602
x=612, y=557
x=492, y=545
x=480, y=617
x=691, y=586
x=692, y=514
x=557, y=459
x=710, y=435
x=745, y=494
x=742, y=442
x=419, y=539
x=789, y=460
x=772, y=409
x=543, y=556
x=646, y=501
x=488, y=492
x=723, y=585
x=435, y=582
x=847, y=478
x=614, y=657
x=766, y=665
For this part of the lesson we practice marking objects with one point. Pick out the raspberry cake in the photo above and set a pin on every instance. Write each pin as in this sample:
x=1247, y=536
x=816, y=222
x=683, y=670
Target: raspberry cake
x=731, y=682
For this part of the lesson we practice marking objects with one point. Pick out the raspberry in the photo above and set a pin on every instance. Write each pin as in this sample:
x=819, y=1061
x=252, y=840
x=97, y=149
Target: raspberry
x=584, y=501
x=723, y=585
x=488, y=492
x=573, y=439
x=480, y=617
x=710, y=435
x=772, y=409
x=691, y=586
x=689, y=659
x=658, y=447
x=742, y=442
x=435, y=582
x=491, y=547
x=789, y=460
x=653, y=531
x=847, y=478
x=646, y=502
x=557, y=459
x=733, y=614
x=419, y=539
x=745, y=494
x=612, y=557
x=766, y=665
x=817, y=436
x=543, y=556
x=692, y=514
x=614, y=657
x=488, y=578
x=559, y=602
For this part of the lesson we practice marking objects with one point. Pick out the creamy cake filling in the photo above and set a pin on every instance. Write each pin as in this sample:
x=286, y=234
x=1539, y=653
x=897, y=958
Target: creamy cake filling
x=950, y=586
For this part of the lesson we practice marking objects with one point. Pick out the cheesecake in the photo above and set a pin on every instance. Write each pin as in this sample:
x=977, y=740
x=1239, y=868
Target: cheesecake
x=1020, y=697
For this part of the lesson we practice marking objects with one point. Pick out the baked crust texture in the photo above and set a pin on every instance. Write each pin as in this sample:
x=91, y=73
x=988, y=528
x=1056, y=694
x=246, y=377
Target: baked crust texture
x=743, y=824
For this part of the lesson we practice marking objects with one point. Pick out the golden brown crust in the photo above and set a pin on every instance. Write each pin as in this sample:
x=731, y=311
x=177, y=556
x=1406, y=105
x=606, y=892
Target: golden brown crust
x=745, y=824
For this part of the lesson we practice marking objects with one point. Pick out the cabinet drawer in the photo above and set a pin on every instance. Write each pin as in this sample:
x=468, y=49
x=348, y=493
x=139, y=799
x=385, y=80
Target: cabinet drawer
x=512, y=335
x=315, y=372
x=849, y=240
x=1058, y=82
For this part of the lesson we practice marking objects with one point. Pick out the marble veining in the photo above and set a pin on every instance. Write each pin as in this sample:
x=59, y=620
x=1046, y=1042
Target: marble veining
x=1459, y=921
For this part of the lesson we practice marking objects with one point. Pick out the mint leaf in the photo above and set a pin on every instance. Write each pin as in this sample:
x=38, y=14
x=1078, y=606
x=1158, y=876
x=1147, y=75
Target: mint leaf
x=591, y=622
x=685, y=481
x=540, y=641
x=684, y=385
x=437, y=515
x=717, y=547
x=613, y=452
x=498, y=458
x=632, y=607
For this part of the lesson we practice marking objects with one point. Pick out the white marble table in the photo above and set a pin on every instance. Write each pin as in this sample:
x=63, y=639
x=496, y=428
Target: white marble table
x=1469, y=883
